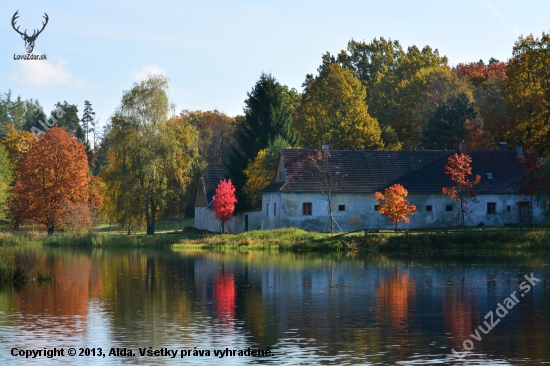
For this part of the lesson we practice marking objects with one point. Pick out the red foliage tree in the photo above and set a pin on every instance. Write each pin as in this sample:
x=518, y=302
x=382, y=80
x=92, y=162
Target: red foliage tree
x=533, y=180
x=394, y=205
x=224, y=201
x=477, y=72
x=51, y=182
x=458, y=167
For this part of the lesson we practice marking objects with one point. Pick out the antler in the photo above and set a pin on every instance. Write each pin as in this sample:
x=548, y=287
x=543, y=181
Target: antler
x=34, y=35
x=15, y=16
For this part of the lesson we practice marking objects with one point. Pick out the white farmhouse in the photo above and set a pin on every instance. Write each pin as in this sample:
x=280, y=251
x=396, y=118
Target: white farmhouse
x=294, y=199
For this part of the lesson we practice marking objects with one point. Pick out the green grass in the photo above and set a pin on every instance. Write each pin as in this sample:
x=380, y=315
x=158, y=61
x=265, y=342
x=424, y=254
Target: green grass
x=384, y=242
x=161, y=226
x=471, y=240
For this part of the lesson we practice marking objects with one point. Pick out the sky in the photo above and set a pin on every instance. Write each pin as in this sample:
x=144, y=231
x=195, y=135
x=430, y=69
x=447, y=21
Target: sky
x=214, y=51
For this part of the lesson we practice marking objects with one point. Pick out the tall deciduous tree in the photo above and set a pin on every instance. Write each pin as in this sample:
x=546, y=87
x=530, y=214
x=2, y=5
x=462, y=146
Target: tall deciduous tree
x=6, y=179
x=261, y=171
x=458, y=167
x=224, y=202
x=51, y=178
x=526, y=88
x=217, y=134
x=534, y=179
x=393, y=204
x=17, y=143
x=268, y=114
x=333, y=109
x=149, y=156
x=489, y=101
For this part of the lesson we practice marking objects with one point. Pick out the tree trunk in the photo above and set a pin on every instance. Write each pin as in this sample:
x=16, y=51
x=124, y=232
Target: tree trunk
x=151, y=221
x=51, y=230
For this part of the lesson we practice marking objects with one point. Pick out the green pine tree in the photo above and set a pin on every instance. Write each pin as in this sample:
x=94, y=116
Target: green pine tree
x=447, y=128
x=268, y=114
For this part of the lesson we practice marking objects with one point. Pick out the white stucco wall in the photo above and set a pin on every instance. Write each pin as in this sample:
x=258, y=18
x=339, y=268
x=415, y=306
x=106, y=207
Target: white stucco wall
x=360, y=214
x=205, y=219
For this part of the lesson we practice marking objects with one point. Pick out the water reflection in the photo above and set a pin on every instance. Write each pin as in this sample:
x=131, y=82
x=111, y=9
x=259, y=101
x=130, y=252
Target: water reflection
x=305, y=307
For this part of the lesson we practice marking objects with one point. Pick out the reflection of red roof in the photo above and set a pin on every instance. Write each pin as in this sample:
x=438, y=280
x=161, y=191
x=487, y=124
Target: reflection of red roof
x=223, y=292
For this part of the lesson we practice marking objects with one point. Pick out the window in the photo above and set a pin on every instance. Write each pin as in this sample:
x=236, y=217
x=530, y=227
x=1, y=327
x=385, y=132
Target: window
x=341, y=207
x=376, y=207
x=509, y=208
x=274, y=208
x=491, y=207
x=281, y=175
x=429, y=208
x=267, y=208
x=306, y=208
x=449, y=207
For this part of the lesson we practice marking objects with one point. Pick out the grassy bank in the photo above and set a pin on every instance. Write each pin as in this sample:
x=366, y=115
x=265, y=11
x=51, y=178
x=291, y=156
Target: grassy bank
x=387, y=242
x=295, y=240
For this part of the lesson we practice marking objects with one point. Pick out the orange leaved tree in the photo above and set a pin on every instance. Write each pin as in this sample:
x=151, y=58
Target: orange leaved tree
x=224, y=201
x=51, y=181
x=394, y=205
x=458, y=166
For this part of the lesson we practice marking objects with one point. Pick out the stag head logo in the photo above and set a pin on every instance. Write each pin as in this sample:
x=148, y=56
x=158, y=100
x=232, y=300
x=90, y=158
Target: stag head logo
x=29, y=40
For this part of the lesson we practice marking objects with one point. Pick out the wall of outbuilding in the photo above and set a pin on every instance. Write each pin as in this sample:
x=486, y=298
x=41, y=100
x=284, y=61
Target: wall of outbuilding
x=205, y=219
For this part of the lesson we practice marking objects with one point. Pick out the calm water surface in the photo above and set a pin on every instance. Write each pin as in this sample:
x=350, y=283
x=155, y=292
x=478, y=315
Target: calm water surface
x=307, y=308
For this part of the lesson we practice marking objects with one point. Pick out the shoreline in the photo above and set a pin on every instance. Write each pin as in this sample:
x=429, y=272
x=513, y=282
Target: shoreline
x=495, y=240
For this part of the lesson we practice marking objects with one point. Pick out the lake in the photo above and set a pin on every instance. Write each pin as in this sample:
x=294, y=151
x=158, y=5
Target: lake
x=137, y=306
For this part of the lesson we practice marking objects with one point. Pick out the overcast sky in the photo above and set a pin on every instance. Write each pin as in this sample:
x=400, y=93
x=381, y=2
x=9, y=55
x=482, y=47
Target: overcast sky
x=214, y=51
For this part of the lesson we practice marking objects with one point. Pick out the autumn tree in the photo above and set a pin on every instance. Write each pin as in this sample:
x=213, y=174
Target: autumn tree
x=217, y=134
x=534, y=179
x=458, y=167
x=261, y=171
x=492, y=123
x=17, y=143
x=6, y=179
x=51, y=179
x=393, y=204
x=333, y=109
x=224, y=202
x=526, y=90
x=150, y=157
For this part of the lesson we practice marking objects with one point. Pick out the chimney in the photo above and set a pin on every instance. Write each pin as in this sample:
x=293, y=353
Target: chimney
x=503, y=145
x=519, y=147
x=462, y=147
x=325, y=146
